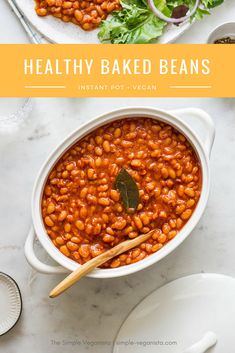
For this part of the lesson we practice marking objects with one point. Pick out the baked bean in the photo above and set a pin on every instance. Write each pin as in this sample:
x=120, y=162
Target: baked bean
x=96, y=250
x=114, y=194
x=94, y=14
x=126, y=144
x=62, y=216
x=65, y=174
x=145, y=230
x=135, y=253
x=180, y=190
x=72, y=246
x=138, y=222
x=106, y=146
x=190, y=192
x=133, y=235
x=166, y=228
x=148, y=248
x=97, y=229
x=48, y=190
x=41, y=11
x=164, y=172
x=190, y=203
x=104, y=201
x=82, y=211
x=65, y=250
x=70, y=167
x=136, y=163
x=172, y=223
x=107, y=238
x=60, y=241
x=80, y=225
x=172, y=234
x=105, y=217
x=67, y=4
x=156, y=247
x=87, y=26
x=91, y=199
x=179, y=223
x=50, y=208
x=67, y=227
x=88, y=229
x=115, y=263
x=98, y=151
x=84, y=250
x=172, y=173
x=103, y=188
x=76, y=240
x=78, y=15
x=162, y=238
x=163, y=214
x=145, y=218
x=119, y=224
x=157, y=191
x=156, y=234
x=117, y=132
x=186, y=214
x=83, y=192
x=150, y=186
x=91, y=174
x=98, y=140
x=98, y=162
x=180, y=208
x=50, y=2
x=49, y=221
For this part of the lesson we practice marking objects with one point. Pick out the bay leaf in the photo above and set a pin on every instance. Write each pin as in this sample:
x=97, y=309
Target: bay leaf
x=128, y=189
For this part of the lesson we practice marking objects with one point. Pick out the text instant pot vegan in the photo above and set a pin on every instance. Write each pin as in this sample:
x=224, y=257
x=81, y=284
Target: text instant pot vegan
x=74, y=67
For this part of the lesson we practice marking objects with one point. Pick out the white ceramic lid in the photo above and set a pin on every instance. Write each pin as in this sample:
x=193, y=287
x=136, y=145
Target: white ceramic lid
x=10, y=303
x=179, y=314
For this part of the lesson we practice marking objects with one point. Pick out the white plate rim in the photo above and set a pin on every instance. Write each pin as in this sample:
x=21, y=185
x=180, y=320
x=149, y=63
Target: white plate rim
x=20, y=303
x=196, y=276
x=52, y=30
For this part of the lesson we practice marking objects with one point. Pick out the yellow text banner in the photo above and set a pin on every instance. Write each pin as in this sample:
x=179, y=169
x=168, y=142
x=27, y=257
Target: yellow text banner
x=117, y=70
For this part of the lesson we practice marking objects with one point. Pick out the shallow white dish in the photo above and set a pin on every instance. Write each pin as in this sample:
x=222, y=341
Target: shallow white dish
x=181, y=312
x=225, y=30
x=200, y=133
x=57, y=31
x=10, y=303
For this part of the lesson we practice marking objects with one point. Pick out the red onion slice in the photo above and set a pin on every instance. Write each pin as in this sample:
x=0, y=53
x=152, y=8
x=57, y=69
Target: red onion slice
x=160, y=15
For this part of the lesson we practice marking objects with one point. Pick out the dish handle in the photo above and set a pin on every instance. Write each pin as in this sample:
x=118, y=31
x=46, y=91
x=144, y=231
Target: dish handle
x=32, y=259
x=206, y=128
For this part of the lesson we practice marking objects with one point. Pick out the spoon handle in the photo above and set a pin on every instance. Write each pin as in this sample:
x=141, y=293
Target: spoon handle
x=207, y=341
x=33, y=36
x=96, y=262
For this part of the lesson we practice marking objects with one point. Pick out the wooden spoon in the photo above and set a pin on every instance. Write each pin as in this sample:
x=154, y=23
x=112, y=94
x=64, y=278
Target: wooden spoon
x=96, y=262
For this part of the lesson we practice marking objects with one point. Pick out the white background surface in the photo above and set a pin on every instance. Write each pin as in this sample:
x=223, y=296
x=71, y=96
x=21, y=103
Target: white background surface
x=94, y=309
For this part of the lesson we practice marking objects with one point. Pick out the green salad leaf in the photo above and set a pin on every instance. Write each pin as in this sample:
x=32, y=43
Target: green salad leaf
x=135, y=23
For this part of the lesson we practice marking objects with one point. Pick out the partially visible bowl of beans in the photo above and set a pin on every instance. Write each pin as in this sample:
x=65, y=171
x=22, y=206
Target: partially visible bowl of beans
x=77, y=211
x=86, y=14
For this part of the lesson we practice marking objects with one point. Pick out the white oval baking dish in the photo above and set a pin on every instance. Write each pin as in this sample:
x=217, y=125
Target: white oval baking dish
x=199, y=129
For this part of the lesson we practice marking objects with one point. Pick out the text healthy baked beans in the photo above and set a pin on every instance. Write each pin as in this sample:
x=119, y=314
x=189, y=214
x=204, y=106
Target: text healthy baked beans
x=83, y=213
x=86, y=13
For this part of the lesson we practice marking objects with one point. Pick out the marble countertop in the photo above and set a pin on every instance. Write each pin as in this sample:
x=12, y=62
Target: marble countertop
x=93, y=310
x=87, y=317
